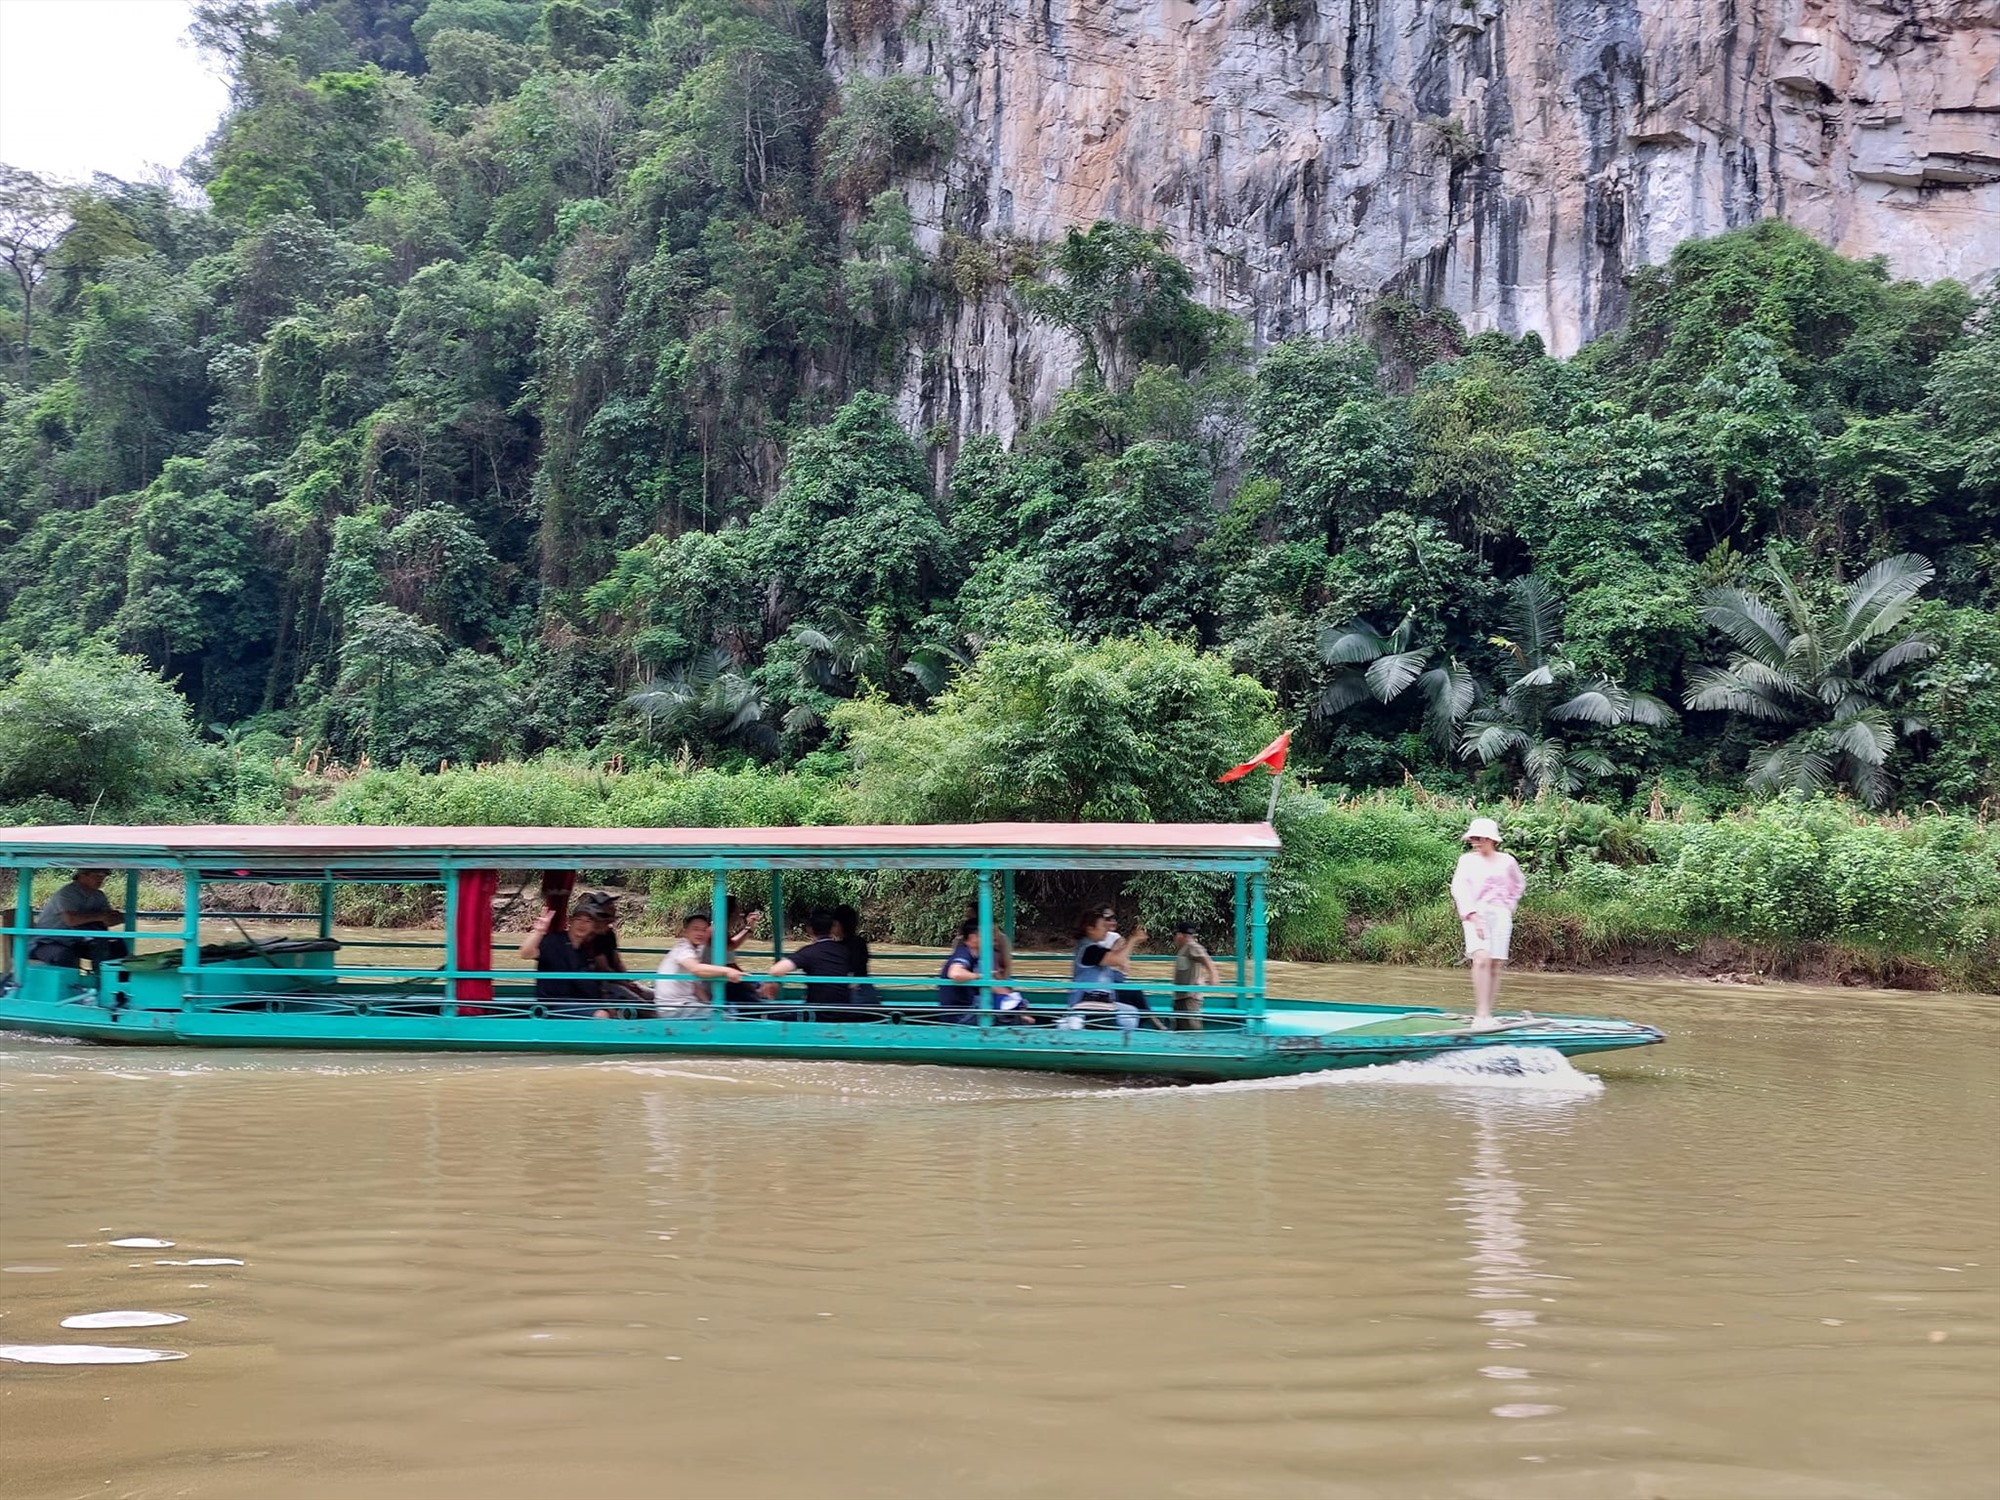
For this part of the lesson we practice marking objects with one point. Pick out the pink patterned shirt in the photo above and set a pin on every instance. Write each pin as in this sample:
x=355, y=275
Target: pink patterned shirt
x=1482, y=884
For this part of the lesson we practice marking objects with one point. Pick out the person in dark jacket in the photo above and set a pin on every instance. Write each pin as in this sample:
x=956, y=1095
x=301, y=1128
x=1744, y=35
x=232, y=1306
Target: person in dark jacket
x=825, y=957
x=557, y=953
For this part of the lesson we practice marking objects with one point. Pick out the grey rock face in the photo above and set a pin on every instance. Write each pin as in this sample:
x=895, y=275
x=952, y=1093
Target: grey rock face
x=1513, y=160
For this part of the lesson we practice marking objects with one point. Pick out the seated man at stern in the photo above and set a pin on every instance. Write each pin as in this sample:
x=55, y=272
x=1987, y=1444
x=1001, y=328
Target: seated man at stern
x=78, y=907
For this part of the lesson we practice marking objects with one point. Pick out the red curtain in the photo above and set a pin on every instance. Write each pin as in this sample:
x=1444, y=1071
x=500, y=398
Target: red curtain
x=475, y=934
x=556, y=888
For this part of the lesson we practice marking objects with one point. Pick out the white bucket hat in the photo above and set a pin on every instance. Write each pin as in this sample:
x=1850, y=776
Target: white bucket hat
x=1482, y=828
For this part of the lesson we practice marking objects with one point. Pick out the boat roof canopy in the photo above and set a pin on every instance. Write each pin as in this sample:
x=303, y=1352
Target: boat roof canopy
x=298, y=851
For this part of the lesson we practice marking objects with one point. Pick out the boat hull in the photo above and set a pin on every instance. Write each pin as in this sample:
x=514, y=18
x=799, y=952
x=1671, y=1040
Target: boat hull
x=1195, y=1056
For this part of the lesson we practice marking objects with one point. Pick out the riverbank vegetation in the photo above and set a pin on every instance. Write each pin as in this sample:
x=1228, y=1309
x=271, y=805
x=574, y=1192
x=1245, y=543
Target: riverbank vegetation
x=1042, y=726
x=522, y=388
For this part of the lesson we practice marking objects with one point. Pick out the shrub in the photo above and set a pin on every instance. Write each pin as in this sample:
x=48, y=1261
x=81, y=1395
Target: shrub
x=94, y=729
x=1799, y=870
x=885, y=126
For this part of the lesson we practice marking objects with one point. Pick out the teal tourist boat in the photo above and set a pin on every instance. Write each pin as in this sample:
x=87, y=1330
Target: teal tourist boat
x=162, y=980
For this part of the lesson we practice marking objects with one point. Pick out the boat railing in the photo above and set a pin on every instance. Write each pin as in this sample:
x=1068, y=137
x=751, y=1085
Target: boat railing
x=905, y=997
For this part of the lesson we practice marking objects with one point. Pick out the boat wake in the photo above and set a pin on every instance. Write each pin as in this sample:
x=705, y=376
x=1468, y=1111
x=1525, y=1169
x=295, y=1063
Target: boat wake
x=1541, y=1070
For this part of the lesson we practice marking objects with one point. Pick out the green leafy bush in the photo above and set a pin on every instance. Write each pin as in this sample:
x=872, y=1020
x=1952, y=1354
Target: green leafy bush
x=95, y=730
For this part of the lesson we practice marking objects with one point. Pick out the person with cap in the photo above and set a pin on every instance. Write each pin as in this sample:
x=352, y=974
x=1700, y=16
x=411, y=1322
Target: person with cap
x=560, y=986
x=1192, y=966
x=600, y=950
x=79, y=906
x=1485, y=889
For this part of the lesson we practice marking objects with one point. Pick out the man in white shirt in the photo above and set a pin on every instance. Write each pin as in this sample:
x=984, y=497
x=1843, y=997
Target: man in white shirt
x=679, y=991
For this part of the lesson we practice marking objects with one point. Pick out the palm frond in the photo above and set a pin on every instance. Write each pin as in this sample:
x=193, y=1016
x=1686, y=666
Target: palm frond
x=1602, y=702
x=1534, y=615
x=1346, y=690
x=1356, y=641
x=1449, y=693
x=1795, y=603
x=1748, y=621
x=1794, y=765
x=931, y=667
x=1645, y=709
x=1490, y=741
x=1389, y=675
x=1870, y=783
x=1718, y=688
x=1879, y=598
x=1866, y=737
x=1911, y=648
x=1543, y=761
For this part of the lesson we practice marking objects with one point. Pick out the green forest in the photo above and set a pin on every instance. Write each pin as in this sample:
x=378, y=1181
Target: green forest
x=514, y=390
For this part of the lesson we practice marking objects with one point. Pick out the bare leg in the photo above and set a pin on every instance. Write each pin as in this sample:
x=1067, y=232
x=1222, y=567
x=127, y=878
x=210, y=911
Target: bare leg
x=1497, y=967
x=1482, y=991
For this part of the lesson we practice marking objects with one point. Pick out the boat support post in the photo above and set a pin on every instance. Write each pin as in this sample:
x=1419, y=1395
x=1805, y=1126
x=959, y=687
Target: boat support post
x=1257, y=941
x=777, y=915
x=191, y=936
x=24, y=913
x=326, y=906
x=718, y=936
x=450, y=941
x=1242, y=939
x=986, y=1001
x=131, y=912
x=1007, y=905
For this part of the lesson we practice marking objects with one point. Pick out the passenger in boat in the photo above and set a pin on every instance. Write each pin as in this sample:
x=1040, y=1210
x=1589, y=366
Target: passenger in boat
x=958, y=997
x=79, y=906
x=558, y=959
x=1097, y=969
x=678, y=991
x=741, y=993
x=825, y=957
x=601, y=951
x=847, y=931
x=1011, y=1004
x=1485, y=889
x=1192, y=966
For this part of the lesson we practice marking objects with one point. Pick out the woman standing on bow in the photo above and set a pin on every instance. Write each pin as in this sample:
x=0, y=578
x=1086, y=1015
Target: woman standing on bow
x=1485, y=889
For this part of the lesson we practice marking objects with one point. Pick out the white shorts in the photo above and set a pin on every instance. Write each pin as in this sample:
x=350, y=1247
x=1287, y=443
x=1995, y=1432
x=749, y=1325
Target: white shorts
x=1499, y=928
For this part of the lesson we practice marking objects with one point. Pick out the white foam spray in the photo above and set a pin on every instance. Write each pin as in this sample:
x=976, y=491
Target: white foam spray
x=1540, y=1070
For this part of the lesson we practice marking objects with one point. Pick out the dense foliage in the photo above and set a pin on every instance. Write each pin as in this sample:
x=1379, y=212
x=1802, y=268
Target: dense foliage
x=519, y=381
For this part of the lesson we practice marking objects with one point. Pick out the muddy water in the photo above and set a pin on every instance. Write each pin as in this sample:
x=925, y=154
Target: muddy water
x=1759, y=1263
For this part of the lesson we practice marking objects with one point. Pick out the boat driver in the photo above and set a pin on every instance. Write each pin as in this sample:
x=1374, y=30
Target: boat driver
x=80, y=906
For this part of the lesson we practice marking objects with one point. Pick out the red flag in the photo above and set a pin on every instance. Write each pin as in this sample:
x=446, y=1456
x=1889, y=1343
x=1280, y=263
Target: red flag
x=1272, y=759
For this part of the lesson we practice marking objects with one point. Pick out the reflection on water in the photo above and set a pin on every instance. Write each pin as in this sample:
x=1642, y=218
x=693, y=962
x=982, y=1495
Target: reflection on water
x=1502, y=1269
x=1757, y=1263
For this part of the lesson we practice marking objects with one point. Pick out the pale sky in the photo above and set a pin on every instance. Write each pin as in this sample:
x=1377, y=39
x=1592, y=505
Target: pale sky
x=102, y=86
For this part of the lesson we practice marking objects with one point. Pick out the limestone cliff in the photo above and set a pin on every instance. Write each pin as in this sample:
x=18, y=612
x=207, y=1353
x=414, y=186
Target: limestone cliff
x=1511, y=159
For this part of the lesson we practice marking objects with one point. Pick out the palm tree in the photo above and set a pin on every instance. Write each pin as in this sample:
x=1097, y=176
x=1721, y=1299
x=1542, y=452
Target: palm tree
x=705, y=699
x=1827, y=671
x=1384, y=666
x=1541, y=685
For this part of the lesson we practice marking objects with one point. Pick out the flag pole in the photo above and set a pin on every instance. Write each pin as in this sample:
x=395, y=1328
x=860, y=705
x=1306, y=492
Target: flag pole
x=1271, y=812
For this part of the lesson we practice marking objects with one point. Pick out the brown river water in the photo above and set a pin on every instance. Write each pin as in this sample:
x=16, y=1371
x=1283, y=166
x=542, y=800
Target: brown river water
x=1761, y=1262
